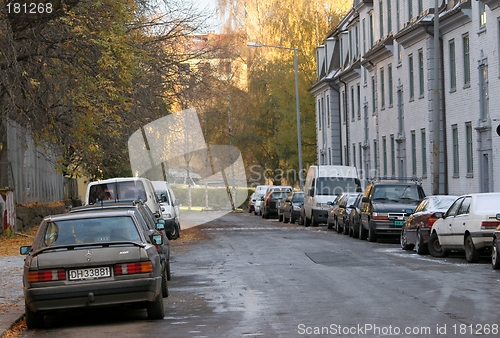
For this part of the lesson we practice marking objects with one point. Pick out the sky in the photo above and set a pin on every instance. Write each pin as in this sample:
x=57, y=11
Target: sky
x=209, y=7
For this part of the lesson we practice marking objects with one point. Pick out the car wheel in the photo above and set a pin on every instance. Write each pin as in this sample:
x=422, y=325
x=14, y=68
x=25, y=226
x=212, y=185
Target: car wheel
x=169, y=274
x=362, y=234
x=285, y=219
x=337, y=226
x=329, y=225
x=155, y=308
x=434, y=246
x=372, y=236
x=495, y=256
x=313, y=221
x=300, y=221
x=164, y=283
x=420, y=246
x=34, y=320
x=174, y=234
x=307, y=221
x=403, y=241
x=471, y=253
x=292, y=220
x=355, y=231
x=345, y=228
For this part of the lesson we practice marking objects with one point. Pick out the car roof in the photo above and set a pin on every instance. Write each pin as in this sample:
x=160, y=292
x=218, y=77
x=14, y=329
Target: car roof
x=90, y=214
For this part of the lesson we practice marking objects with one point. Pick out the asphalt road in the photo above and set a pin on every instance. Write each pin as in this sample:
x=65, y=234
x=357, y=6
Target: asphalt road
x=259, y=278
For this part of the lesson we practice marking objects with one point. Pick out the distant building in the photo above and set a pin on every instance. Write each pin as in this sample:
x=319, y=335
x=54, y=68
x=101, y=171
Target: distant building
x=375, y=92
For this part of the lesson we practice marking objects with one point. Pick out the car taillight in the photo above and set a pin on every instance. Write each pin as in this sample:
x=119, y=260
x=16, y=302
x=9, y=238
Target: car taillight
x=269, y=201
x=489, y=224
x=431, y=221
x=46, y=275
x=131, y=268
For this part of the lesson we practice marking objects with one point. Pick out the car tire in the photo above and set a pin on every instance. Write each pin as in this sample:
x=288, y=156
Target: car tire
x=313, y=221
x=155, y=309
x=337, y=226
x=495, y=255
x=420, y=246
x=164, y=282
x=292, y=220
x=34, y=320
x=355, y=232
x=372, y=235
x=362, y=233
x=329, y=225
x=285, y=219
x=471, y=253
x=174, y=234
x=300, y=220
x=403, y=241
x=307, y=222
x=345, y=228
x=434, y=246
x=169, y=274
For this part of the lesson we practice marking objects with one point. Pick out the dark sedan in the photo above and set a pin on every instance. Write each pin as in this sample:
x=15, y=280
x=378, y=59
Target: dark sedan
x=269, y=205
x=417, y=227
x=91, y=259
x=355, y=218
x=291, y=209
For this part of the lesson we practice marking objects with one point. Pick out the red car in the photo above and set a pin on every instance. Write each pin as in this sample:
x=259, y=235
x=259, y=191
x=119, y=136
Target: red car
x=416, y=230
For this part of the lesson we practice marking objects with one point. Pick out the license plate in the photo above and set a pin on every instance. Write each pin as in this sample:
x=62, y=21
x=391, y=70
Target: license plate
x=90, y=273
x=399, y=223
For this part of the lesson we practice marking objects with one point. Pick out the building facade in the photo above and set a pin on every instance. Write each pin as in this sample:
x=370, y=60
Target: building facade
x=376, y=101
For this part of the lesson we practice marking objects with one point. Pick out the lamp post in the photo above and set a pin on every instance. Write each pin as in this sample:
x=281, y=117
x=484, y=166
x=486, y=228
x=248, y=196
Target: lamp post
x=297, y=105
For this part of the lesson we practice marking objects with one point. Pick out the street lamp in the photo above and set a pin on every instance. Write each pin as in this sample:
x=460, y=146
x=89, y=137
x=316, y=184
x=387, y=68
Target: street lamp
x=297, y=105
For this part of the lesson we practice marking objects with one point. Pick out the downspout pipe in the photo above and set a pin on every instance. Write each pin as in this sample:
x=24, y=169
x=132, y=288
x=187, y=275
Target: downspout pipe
x=346, y=126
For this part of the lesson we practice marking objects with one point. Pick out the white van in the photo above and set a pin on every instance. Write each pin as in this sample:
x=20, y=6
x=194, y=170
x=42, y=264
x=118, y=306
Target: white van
x=123, y=189
x=169, y=207
x=324, y=184
x=260, y=191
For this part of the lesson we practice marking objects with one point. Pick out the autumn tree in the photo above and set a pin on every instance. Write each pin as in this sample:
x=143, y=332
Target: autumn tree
x=85, y=76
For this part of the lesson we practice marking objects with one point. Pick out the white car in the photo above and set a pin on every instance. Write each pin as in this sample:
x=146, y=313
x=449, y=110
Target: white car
x=468, y=226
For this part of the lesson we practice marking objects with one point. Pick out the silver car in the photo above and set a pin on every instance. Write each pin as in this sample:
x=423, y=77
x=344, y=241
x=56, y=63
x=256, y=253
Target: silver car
x=91, y=259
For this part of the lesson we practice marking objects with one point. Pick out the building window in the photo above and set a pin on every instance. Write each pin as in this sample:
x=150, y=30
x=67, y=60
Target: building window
x=351, y=49
x=398, y=16
x=400, y=54
x=357, y=40
x=389, y=16
x=352, y=103
x=354, y=154
x=381, y=17
x=375, y=156
x=453, y=66
x=361, y=159
x=466, y=58
x=468, y=136
x=393, y=157
x=370, y=18
x=389, y=75
x=413, y=154
x=455, y=150
x=382, y=88
x=421, y=73
x=359, y=102
x=363, y=28
x=420, y=7
x=423, y=141
x=319, y=113
x=411, y=77
x=344, y=106
x=482, y=14
x=327, y=111
x=410, y=10
x=483, y=92
x=374, y=95
x=384, y=156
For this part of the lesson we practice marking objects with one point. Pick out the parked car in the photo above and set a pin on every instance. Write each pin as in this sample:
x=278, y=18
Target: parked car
x=269, y=206
x=258, y=204
x=468, y=225
x=251, y=203
x=149, y=222
x=291, y=208
x=386, y=205
x=100, y=258
x=355, y=217
x=338, y=216
x=170, y=210
x=495, y=248
x=417, y=228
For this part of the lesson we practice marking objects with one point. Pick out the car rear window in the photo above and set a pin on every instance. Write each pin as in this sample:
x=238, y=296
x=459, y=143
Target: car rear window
x=93, y=230
x=117, y=191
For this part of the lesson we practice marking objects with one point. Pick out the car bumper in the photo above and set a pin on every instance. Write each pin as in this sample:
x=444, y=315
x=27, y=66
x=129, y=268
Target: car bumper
x=482, y=239
x=386, y=228
x=92, y=294
x=320, y=216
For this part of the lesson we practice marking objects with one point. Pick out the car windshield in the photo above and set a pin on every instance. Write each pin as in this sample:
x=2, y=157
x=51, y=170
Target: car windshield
x=279, y=195
x=440, y=204
x=298, y=198
x=117, y=191
x=329, y=186
x=93, y=230
x=396, y=192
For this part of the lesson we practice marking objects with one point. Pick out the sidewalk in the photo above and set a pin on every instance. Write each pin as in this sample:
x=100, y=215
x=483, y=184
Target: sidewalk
x=11, y=292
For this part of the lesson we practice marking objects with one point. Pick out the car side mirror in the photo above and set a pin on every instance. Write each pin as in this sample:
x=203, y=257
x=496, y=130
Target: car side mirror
x=157, y=239
x=160, y=225
x=439, y=214
x=24, y=250
x=365, y=200
x=498, y=217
